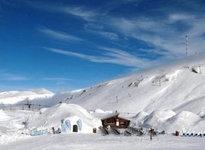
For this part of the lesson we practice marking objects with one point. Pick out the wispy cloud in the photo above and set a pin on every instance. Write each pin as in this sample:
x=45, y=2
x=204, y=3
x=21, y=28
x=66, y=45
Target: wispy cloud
x=99, y=30
x=163, y=34
x=180, y=17
x=118, y=56
x=108, y=35
x=69, y=53
x=111, y=55
x=81, y=12
x=13, y=77
x=56, y=79
x=59, y=35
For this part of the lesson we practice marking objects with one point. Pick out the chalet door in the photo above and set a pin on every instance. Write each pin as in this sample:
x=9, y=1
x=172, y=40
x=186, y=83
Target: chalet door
x=117, y=122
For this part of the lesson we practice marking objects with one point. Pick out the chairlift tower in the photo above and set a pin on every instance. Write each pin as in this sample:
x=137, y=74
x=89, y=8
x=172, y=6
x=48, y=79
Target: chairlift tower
x=29, y=104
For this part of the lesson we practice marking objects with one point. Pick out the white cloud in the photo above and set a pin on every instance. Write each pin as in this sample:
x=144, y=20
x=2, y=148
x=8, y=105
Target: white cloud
x=162, y=33
x=180, y=17
x=16, y=78
x=83, y=56
x=80, y=12
x=99, y=30
x=56, y=79
x=122, y=57
x=114, y=56
x=59, y=35
x=108, y=35
x=13, y=77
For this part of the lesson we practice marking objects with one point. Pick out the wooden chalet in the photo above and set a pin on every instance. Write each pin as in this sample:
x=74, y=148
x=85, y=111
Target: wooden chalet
x=114, y=121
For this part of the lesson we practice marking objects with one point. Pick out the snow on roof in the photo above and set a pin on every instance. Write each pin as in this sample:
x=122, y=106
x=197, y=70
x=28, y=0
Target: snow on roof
x=110, y=116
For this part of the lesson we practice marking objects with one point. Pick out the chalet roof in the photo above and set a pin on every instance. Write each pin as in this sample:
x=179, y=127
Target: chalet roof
x=112, y=116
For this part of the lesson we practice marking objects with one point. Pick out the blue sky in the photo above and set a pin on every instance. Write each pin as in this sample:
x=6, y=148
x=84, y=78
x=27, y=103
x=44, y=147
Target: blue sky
x=63, y=45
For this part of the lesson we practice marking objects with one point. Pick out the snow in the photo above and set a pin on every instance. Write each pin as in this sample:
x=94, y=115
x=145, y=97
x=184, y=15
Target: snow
x=96, y=141
x=13, y=97
x=52, y=118
x=3, y=116
x=169, y=98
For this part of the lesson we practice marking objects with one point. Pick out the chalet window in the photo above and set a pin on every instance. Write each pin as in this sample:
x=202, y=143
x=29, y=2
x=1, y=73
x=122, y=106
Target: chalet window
x=110, y=120
x=122, y=123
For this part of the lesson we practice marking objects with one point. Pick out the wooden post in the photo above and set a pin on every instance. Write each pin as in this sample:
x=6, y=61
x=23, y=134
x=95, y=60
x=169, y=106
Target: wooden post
x=94, y=130
x=53, y=130
x=177, y=133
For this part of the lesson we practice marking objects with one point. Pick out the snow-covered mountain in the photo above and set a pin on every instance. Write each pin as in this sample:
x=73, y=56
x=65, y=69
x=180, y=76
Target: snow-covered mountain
x=178, y=86
x=169, y=98
x=12, y=97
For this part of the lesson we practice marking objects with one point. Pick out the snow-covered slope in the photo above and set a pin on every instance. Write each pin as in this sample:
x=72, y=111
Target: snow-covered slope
x=179, y=86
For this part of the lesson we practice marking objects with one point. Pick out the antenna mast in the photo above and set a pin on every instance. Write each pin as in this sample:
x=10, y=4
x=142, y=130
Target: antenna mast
x=186, y=45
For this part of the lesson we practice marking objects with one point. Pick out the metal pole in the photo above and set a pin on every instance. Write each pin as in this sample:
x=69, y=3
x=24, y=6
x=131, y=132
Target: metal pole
x=186, y=45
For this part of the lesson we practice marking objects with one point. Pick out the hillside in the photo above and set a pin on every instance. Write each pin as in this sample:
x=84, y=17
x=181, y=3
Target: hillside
x=179, y=86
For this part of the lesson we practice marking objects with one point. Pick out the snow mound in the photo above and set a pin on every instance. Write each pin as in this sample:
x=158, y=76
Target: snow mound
x=53, y=116
x=4, y=116
x=169, y=121
x=139, y=118
x=163, y=114
x=183, y=121
x=99, y=111
x=156, y=118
